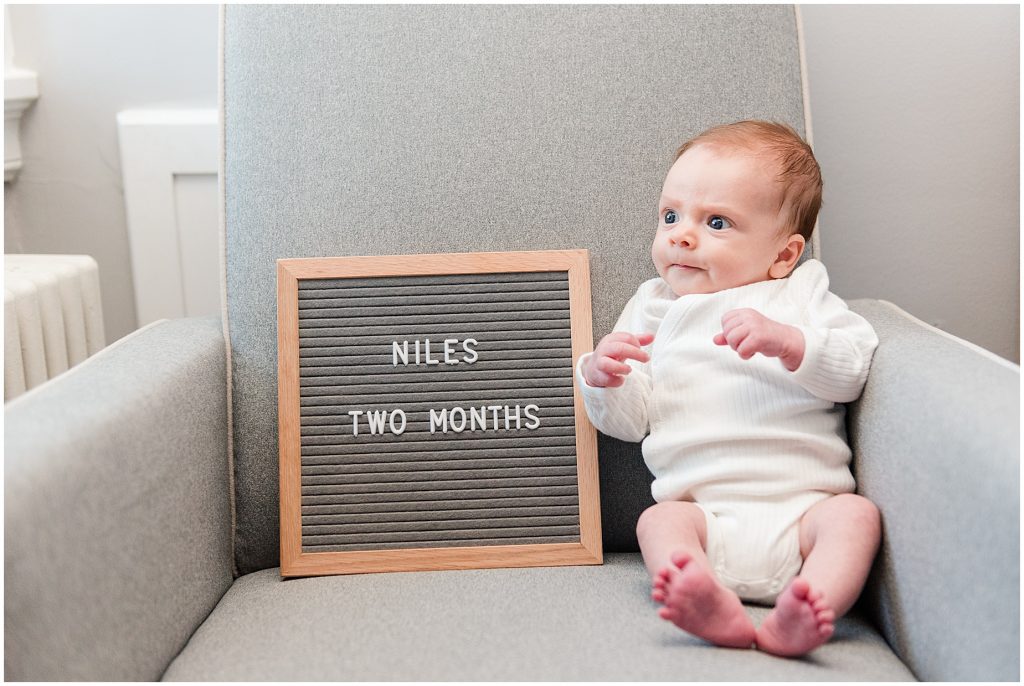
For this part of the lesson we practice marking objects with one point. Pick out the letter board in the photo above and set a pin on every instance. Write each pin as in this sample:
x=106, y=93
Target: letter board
x=428, y=414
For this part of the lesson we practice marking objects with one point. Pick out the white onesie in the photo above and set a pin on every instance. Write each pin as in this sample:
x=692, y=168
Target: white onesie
x=753, y=444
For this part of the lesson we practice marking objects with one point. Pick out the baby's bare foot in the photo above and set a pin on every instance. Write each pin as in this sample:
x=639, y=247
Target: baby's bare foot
x=800, y=622
x=695, y=602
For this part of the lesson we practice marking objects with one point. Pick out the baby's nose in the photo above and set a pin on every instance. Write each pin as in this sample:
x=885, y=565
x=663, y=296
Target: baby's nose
x=682, y=237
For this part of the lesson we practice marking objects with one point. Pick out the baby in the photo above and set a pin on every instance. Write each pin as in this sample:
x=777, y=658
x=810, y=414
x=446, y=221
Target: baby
x=752, y=482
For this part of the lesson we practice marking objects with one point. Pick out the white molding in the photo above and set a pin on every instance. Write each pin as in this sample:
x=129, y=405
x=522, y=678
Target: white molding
x=805, y=90
x=157, y=145
x=21, y=89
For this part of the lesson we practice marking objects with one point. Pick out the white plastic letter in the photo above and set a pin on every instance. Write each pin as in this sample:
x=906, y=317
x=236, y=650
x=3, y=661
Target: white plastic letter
x=471, y=355
x=376, y=421
x=531, y=416
x=355, y=421
x=399, y=352
x=514, y=416
x=448, y=350
x=391, y=422
x=426, y=354
x=494, y=413
x=439, y=421
x=477, y=414
x=462, y=419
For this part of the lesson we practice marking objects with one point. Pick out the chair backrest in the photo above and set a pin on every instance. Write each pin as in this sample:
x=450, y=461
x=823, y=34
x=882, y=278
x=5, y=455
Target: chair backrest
x=376, y=130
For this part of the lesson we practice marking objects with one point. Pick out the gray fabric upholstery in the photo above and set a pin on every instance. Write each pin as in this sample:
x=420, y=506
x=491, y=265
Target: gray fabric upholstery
x=117, y=528
x=555, y=624
x=936, y=438
x=383, y=130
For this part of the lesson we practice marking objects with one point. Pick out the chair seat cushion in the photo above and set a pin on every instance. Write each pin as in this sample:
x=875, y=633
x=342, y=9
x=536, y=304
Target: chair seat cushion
x=552, y=624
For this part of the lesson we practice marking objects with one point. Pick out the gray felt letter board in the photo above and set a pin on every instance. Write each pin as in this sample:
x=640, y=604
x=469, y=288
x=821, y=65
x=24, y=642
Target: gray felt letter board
x=428, y=417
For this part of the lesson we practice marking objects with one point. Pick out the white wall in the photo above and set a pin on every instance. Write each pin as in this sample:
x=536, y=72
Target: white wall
x=916, y=118
x=94, y=61
x=916, y=123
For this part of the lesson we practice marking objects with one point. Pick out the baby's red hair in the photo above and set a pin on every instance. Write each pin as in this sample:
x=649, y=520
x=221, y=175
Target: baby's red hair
x=798, y=171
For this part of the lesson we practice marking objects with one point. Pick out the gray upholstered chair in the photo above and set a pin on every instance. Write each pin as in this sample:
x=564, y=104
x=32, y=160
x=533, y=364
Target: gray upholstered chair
x=141, y=487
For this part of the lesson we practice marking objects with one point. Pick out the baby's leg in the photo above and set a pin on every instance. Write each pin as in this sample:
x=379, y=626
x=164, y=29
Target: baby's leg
x=839, y=538
x=668, y=528
x=672, y=539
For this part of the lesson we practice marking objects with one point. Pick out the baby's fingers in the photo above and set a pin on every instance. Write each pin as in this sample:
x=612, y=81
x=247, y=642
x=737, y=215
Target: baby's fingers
x=644, y=338
x=637, y=339
x=734, y=336
x=626, y=351
x=749, y=347
x=623, y=338
x=611, y=366
x=599, y=379
x=739, y=315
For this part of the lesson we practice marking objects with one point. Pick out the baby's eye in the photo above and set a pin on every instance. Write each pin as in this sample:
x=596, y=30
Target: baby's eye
x=671, y=217
x=718, y=223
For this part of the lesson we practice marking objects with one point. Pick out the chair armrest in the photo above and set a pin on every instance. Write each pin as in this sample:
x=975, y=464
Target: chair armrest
x=117, y=515
x=936, y=438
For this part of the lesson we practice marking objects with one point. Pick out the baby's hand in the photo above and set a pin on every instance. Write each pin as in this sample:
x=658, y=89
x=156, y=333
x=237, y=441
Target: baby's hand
x=749, y=332
x=606, y=367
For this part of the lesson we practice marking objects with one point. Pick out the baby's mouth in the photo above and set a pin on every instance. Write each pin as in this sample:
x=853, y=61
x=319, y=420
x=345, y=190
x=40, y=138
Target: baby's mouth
x=688, y=267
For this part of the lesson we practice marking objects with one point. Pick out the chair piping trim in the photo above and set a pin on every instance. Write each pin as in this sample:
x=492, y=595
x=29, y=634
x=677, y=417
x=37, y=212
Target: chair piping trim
x=221, y=220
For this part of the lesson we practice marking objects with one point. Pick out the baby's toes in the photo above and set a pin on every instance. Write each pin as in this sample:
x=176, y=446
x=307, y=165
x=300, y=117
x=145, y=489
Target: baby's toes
x=800, y=589
x=668, y=614
x=658, y=595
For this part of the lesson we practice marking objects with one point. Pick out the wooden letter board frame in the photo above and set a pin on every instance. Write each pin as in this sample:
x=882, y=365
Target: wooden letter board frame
x=295, y=561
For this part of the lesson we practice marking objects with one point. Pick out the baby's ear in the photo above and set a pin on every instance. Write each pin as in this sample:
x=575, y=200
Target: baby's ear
x=786, y=260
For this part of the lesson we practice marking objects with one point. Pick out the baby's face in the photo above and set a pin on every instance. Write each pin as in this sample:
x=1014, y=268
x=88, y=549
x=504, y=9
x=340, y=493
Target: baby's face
x=719, y=224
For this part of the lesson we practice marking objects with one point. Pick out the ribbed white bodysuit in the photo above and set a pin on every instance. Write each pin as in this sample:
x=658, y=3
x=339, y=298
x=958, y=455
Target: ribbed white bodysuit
x=752, y=443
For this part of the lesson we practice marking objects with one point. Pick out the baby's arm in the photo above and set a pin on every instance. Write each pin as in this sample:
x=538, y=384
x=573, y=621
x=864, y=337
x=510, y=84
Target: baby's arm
x=616, y=385
x=829, y=353
x=615, y=379
x=749, y=332
x=838, y=346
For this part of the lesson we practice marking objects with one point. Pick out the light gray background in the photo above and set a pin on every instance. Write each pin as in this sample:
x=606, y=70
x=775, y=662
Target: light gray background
x=916, y=119
x=915, y=112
